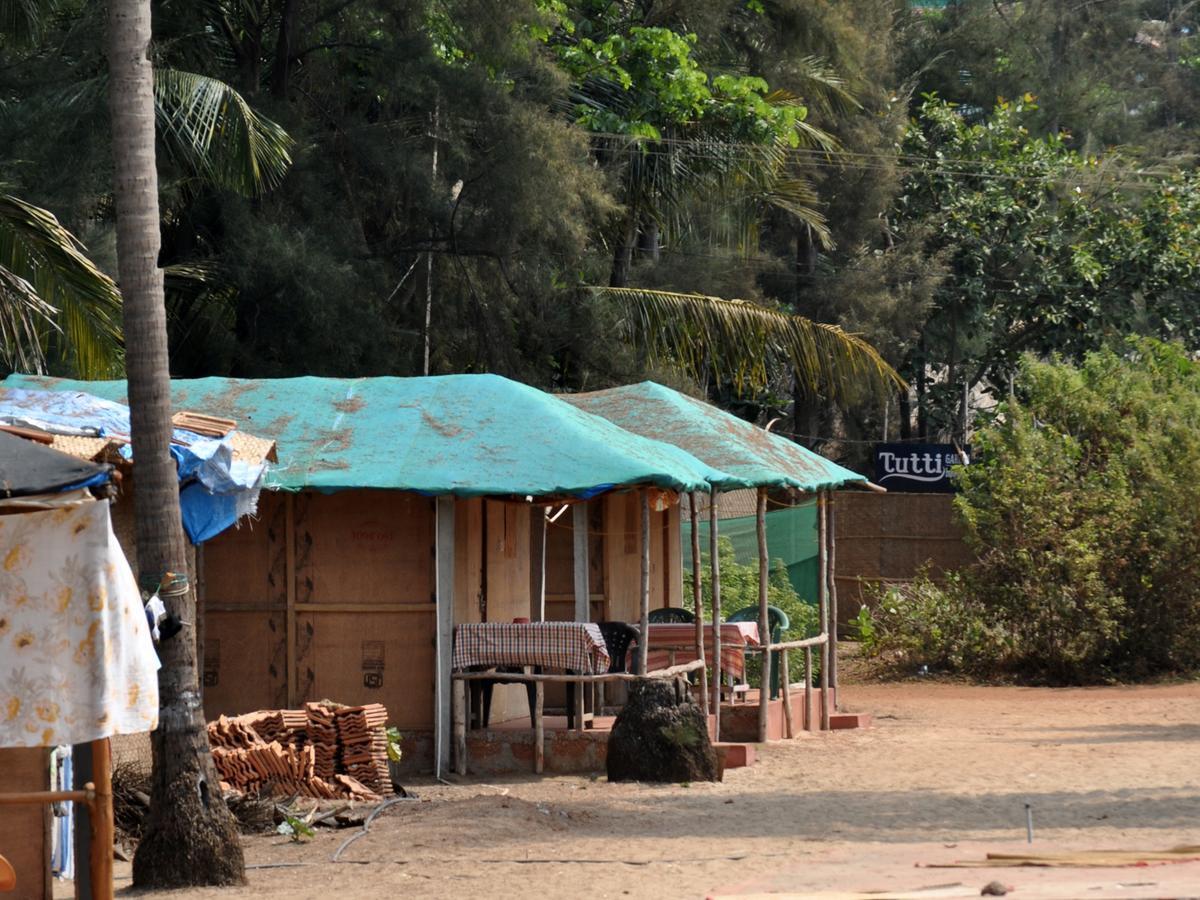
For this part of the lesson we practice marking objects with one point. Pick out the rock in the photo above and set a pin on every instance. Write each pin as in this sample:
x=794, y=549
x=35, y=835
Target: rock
x=660, y=735
x=993, y=889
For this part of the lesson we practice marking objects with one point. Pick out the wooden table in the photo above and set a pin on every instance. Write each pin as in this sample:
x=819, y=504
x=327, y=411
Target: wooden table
x=674, y=642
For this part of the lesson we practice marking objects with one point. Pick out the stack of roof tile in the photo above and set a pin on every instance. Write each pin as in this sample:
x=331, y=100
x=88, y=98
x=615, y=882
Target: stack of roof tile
x=290, y=751
x=361, y=730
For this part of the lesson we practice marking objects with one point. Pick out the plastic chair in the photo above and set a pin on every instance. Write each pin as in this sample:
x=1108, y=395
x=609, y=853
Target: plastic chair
x=617, y=638
x=671, y=614
x=778, y=623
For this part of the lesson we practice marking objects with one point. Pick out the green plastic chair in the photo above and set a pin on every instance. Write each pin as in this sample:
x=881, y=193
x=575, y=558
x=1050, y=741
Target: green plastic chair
x=675, y=614
x=778, y=623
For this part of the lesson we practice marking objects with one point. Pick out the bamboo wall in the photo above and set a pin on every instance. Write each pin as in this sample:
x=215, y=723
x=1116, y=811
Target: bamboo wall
x=883, y=538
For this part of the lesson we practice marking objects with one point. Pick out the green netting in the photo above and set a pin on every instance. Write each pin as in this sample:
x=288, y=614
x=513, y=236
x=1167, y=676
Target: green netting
x=467, y=435
x=791, y=538
x=751, y=456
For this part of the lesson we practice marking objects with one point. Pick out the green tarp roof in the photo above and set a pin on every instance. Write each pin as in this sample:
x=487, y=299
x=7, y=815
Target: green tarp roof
x=469, y=435
x=751, y=456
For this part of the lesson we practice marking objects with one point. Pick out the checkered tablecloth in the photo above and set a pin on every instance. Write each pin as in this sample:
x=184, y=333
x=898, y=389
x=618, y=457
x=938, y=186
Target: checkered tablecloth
x=735, y=637
x=574, y=646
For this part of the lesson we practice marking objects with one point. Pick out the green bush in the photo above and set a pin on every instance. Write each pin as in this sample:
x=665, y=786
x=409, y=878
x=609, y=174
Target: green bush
x=1083, y=507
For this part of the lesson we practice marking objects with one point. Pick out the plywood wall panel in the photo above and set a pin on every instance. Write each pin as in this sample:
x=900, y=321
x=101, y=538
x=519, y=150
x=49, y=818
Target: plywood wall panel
x=244, y=661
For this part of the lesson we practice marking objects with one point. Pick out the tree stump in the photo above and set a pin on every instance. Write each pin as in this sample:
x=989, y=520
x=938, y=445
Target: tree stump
x=661, y=735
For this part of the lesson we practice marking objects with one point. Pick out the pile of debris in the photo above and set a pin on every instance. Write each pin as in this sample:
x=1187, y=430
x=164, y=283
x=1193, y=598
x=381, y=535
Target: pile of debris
x=324, y=751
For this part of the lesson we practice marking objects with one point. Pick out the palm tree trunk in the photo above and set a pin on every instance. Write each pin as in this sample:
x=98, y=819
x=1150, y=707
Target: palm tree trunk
x=190, y=835
x=623, y=253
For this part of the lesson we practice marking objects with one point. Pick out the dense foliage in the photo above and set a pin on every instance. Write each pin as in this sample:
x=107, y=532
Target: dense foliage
x=1083, y=505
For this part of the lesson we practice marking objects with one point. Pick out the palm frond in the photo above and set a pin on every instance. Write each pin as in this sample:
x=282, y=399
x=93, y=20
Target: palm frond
x=61, y=285
x=24, y=21
x=209, y=127
x=744, y=343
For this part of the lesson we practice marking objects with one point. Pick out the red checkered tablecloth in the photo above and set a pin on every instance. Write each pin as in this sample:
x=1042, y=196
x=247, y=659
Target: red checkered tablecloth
x=735, y=637
x=574, y=646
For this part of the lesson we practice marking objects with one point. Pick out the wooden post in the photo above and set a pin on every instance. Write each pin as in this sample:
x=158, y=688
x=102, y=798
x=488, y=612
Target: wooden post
x=698, y=600
x=537, y=596
x=833, y=600
x=580, y=725
x=644, y=643
x=715, y=562
x=808, y=712
x=462, y=693
x=539, y=733
x=579, y=521
x=100, y=863
x=764, y=624
x=823, y=591
x=289, y=578
x=786, y=687
x=444, y=654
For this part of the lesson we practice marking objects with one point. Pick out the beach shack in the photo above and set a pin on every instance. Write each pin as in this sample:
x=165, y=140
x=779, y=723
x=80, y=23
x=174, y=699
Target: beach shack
x=748, y=457
x=399, y=508
x=77, y=664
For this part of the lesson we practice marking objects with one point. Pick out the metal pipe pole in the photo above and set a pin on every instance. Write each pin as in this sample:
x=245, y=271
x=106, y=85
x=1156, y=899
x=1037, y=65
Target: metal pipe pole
x=698, y=599
x=823, y=591
x=715, y=562
x=764, y=625
x=833, y=600
x=644, y=643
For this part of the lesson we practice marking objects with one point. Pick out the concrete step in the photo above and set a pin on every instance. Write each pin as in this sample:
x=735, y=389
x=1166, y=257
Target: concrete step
x=839, y=721
x=734, y=756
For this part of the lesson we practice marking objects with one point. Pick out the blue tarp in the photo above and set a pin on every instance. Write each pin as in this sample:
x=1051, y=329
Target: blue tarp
x=217, y=489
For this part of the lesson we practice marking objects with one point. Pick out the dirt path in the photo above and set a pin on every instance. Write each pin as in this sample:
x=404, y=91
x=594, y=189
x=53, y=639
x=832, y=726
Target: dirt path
x=944, y=765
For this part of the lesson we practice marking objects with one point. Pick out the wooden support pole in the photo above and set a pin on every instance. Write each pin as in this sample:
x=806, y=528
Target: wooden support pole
x=823, y=591
x=764, y=624
x=579, y=528
x=785, y=684
x=444, y=653
x=460, y=699
x=580, y=725
x=808, y=710
x=698, y=599
x=100, y=864
x=289, y=580
x=833, y=600
x=644, y=642
x=715, y=563
x=537, y=541
x=539, y=730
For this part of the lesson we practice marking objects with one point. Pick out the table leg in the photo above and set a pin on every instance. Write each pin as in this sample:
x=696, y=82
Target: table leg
x=539, y=735
x=579, y=723
x=460, y=699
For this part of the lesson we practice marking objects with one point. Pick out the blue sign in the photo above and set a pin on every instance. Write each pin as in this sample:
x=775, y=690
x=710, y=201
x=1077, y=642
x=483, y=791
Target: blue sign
x=918, y=468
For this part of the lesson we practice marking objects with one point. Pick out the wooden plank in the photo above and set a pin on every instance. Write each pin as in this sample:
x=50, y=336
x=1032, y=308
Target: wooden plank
x=293, y=681
x=25, y=829
x=808, y=712
x=388, y=608
x=644, y=643
x=698, y=598
x=764, y=622
x=244, y=661
x=580, y=568
x=537, y=566
x=715, y=562
x=444, y=555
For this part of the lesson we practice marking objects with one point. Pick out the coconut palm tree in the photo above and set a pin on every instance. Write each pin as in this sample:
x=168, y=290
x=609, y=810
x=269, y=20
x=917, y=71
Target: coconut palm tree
x=190, y=837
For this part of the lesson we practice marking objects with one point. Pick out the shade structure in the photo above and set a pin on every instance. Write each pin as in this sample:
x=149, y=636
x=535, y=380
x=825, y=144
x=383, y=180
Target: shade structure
x=461, y=435
x=749, y=456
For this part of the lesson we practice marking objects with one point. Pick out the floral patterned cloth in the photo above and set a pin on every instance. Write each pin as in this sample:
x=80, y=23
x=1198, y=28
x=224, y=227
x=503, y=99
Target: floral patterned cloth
x=76, y=659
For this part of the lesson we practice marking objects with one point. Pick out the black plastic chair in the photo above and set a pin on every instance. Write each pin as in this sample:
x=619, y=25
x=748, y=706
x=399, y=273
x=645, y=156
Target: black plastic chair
x=671, y=614
x=617, y=638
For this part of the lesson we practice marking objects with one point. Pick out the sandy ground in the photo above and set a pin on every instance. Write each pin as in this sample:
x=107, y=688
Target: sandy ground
x=943, y=775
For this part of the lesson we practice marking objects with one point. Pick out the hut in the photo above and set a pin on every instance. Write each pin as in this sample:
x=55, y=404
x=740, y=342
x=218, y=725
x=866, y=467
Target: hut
x=749, y=458
x=76, y=660
x=398, y=508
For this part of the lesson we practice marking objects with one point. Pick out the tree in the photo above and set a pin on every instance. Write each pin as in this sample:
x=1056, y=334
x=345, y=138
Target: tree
x=191, y=837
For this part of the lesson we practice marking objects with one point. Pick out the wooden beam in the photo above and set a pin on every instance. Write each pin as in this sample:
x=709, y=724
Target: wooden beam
x=823, y=593
x=460, y=714
x=537, y=544
x=808, y=711
x=764, y=619
x=786, y=687
x=698, y=598
x=444, y=562
x=539, y=728
x=100, y=865
x=289, y=580
x=579, y=530
x=644, y=643
x=715, y=562
x=833, y=599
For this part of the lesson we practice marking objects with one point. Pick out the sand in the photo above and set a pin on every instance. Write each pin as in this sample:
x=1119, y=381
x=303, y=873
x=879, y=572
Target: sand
x=943, y=774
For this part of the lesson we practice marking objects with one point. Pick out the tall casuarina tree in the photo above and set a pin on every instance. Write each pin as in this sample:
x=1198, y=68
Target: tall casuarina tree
x=190, y=835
